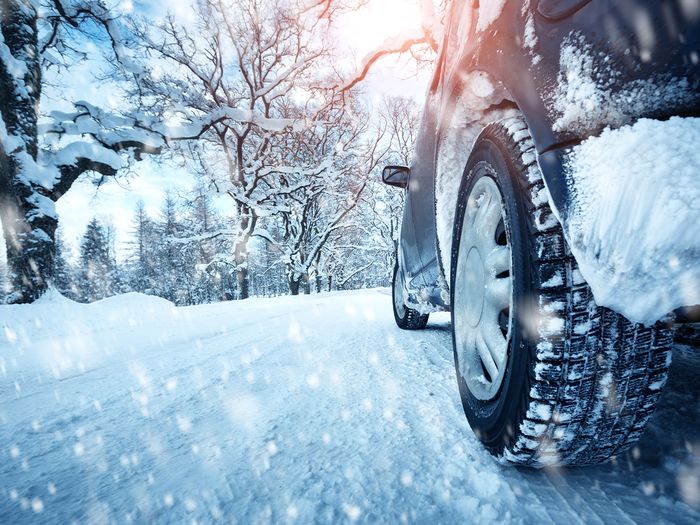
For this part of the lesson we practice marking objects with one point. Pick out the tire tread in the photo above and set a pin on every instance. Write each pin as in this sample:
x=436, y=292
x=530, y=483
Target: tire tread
x=597, y=376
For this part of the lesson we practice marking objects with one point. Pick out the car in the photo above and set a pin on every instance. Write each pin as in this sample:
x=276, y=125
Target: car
x=545, y=373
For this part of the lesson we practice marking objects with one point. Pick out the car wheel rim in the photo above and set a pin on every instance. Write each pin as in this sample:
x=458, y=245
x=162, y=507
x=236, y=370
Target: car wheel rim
x=483, y=292
x=399, y=304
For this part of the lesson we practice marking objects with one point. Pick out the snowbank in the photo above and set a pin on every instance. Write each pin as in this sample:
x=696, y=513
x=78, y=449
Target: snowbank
x=62, y=337
x=57, y=338
x=633, y=220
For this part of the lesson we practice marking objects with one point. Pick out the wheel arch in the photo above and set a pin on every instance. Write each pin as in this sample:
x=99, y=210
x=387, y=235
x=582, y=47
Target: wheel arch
x=510, y=98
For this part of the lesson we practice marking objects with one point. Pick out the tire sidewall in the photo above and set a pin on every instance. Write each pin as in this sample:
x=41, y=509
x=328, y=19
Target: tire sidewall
x=401, y=322
x=495, y=422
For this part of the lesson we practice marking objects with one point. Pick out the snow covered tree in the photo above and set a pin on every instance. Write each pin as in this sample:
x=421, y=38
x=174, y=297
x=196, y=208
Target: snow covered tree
x=140, y=264
x=383, y=206
x=206, y=247
x=360, y=249
x=341, y=155
x=36, y=171
x=39, y=164
x=183, y=254
x=171, y=266
x=227, y=81
x=241, y=62
x=98, y=271
x=64, y=272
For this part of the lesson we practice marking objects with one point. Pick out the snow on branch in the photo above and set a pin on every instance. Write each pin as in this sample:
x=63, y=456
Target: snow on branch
x=272, y=84
x=74, y=12
x=104, y=135
x=196, y=127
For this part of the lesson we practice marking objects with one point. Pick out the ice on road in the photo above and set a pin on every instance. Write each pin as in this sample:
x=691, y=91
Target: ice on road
x=312, y=409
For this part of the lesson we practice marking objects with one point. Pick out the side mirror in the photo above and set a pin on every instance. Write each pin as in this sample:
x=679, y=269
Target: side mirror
x=396, y=176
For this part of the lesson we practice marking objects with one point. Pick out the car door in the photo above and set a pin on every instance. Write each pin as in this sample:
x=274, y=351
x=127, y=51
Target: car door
x=420, y=197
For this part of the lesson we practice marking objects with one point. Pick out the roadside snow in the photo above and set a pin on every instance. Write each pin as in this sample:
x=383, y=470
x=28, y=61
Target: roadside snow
x=57, y=337
x=313, y=409
x=633, y=224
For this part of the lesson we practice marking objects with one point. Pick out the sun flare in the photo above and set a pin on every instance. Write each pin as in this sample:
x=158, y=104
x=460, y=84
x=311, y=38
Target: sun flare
x=365, y=30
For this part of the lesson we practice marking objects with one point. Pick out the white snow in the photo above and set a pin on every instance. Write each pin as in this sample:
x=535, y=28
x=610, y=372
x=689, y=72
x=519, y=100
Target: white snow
x=530, y=35
x=10, y=143
x=584, y=97
x=530, y=39
x=312, y=409
x=17, y=69
x=70, y=153
x=489, y=11
x=633, y=221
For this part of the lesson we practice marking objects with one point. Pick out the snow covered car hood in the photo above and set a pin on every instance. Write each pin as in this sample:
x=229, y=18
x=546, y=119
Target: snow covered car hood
x=633, y=221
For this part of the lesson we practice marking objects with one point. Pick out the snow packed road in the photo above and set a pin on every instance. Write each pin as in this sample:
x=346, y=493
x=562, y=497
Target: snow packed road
x=311, y=409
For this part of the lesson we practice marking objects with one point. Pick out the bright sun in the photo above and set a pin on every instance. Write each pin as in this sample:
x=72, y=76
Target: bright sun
x=366, y=29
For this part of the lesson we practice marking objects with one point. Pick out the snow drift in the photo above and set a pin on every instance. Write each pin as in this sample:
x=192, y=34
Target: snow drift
x=633, y=219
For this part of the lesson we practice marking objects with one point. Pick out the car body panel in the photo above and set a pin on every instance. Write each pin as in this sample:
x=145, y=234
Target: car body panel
x=633, y=47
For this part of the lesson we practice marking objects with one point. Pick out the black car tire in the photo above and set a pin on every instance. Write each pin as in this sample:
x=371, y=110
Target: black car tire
x=409, y=319
x=577, y=391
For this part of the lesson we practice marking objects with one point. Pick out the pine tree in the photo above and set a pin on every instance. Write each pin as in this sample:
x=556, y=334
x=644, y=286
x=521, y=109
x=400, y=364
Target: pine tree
x=141, y=263
x=97, y=267
x=209, y=275
x=170, y=263
x=63, y=279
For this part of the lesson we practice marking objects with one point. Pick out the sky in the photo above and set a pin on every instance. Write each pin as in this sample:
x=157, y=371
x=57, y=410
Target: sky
x=114, y=202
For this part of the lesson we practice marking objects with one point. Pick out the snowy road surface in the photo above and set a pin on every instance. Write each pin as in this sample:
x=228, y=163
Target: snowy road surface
x=287, y=410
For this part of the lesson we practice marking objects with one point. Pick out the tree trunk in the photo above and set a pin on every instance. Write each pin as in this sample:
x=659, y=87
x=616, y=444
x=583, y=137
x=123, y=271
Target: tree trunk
x=242, y=274
x=30, y=249
x=26, y=209
x=243, y=282
x=293, y=286
x=307, y=284
x=317, y=274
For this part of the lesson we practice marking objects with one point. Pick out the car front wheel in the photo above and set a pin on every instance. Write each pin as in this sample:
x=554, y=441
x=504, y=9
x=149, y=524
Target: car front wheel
x=545, y=375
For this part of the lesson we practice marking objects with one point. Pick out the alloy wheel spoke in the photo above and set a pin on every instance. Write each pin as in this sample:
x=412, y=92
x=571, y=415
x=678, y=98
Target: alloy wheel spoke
x=498, y=292
x=495, y=340
x=498, y=260
x=469, y=350
x=489, y=212
x=486, y=357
